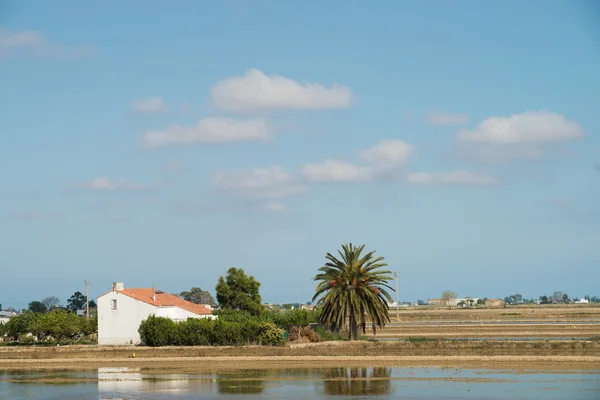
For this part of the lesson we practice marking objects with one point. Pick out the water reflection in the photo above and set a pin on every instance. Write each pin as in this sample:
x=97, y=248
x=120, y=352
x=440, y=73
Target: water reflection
x=357, y=381
x=298, y=383
x=243, y=384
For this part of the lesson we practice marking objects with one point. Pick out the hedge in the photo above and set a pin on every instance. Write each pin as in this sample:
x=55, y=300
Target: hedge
x=161, y=331
x=54, y=326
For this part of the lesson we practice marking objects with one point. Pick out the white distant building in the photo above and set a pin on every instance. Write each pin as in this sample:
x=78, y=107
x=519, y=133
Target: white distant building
x=582, y=301
x=465, y=302
x=121, y=311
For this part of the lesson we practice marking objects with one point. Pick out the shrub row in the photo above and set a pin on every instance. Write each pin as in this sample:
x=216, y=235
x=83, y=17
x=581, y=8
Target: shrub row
x=56, y=326
x=282, y=319
x=161, y=331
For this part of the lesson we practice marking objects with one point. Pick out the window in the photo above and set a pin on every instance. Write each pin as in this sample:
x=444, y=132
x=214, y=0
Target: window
x=113, y=304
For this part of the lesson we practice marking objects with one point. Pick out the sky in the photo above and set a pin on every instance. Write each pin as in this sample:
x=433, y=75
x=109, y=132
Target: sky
x=164, y=142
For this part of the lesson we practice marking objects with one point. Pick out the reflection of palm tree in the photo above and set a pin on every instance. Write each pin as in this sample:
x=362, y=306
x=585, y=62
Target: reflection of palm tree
x=357, y=381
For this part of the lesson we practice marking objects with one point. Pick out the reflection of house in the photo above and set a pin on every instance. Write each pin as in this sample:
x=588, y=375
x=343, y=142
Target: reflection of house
x=126, y=382
x=494, y=303
x=121, y=311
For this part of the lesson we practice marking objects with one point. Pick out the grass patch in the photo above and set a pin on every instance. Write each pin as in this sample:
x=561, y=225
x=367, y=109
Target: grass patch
x=595, y=338
x=510, y=314
x=327, y=335
x=419, y=339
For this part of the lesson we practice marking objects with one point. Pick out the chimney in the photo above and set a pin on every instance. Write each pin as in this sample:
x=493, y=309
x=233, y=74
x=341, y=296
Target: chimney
x=116, y=286
x=153, y=291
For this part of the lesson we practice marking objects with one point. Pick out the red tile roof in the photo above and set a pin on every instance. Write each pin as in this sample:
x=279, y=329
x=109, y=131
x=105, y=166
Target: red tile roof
x=165, y=300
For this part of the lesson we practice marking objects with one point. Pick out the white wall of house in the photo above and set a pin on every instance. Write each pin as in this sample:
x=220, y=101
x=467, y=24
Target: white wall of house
x=120, y=326
x=179, y=314
x=4, y=320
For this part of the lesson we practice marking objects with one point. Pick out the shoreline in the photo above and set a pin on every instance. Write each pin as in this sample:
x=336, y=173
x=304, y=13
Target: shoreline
x=541, y=355
x=169, y=365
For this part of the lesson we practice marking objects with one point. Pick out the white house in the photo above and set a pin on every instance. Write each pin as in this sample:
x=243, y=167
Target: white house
x=465, y=302
x=121, y=311
x=582, y=301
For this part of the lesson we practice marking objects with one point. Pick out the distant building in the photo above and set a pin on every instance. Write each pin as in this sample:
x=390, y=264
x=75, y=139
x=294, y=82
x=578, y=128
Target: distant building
x=121, y=311
x=582, y=301
x=436, y=302
x=494, y=303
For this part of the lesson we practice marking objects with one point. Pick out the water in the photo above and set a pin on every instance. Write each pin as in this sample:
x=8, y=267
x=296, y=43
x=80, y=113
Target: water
x=318, y=383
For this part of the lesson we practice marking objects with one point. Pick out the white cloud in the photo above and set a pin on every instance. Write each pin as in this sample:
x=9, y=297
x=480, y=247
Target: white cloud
x=33, y=43
x=255, y=91
x=148, y=106
x=106, y=184
x=527, y=127
x=261, y=183
x=209, y=130
x=275, y=207
x=457, y=177
x=388, y=153
x=444, y=119
x=335, y=171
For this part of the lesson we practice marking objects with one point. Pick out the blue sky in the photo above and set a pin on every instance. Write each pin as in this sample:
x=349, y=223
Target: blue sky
x=167, y=141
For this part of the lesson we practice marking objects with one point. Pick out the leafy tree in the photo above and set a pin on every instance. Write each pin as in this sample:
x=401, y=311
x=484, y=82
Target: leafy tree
x=558, y=297
x=544, y=300
x=37, y=307
x=353, y=288
x=76, y=302
x=21, y=324
x=448, y=295
x=198, y=296
x=50, y=302
x=93, y=304
x=237, y=291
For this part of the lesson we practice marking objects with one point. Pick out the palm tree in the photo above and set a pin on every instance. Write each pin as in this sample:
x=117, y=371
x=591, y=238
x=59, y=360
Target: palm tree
x=353, y=289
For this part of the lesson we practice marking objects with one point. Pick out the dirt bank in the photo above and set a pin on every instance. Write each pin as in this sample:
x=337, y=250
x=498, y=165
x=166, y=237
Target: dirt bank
x=326, y=349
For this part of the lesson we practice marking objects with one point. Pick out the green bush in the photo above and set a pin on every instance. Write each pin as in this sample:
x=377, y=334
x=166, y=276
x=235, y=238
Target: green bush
x=271, y=335
x=328, y=335
x=56, y=326
x=284, y=319
x=159, y=331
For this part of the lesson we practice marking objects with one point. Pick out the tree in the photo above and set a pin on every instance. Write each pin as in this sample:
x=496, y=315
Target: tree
x=198, y=296
x=447, y=295
x=544, y=300
x=50, y=302
x=237, y=291
x=558, y=297
x=93, y=304
x=353, y=289
x=37, y=307
x=76, y=302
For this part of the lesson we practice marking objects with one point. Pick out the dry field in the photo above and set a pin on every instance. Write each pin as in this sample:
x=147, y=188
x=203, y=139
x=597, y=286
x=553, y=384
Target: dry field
x=566, y=322
x=428, y=329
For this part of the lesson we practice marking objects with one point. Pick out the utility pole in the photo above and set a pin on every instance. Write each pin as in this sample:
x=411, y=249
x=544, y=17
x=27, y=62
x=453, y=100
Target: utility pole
x=397, y=305
x=87, y=299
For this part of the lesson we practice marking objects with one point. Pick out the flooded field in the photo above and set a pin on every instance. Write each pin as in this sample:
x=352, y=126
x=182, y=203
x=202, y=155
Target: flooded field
x=302, y=383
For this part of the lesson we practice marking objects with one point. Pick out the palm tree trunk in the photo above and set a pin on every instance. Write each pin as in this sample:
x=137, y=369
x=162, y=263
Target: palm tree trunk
x=353, y=331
